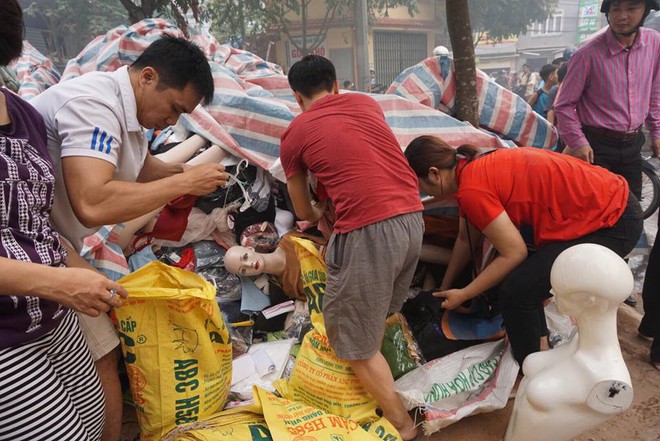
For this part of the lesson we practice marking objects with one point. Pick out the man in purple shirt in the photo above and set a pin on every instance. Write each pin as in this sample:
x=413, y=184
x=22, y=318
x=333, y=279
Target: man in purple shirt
x=611, y=88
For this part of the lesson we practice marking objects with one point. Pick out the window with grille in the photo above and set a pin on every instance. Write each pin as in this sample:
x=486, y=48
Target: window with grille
x=552, y=25
x=396, y=51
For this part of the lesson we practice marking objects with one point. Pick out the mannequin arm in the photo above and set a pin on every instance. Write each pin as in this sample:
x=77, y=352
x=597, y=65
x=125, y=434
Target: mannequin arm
x=212, y=154
x=183, y=151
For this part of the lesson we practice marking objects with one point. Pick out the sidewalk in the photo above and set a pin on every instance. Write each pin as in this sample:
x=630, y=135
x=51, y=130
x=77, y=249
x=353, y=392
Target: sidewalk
x=640, y=423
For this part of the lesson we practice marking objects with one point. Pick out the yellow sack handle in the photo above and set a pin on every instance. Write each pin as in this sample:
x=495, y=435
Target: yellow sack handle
x=170, y=282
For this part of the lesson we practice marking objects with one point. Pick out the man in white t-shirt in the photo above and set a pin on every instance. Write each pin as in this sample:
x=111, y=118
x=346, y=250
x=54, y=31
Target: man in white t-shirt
x=104, y=172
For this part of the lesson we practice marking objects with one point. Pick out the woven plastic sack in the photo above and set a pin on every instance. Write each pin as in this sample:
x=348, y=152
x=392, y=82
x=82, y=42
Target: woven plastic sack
x=292, y=421
x=319, y=378
x=176, y=348
x=474, y=380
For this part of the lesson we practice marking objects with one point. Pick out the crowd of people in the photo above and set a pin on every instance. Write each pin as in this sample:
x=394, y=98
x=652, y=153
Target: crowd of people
x=538, y=89
x=76, y=158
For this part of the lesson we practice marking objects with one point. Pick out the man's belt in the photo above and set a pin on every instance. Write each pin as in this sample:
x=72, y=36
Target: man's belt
x=613, y=134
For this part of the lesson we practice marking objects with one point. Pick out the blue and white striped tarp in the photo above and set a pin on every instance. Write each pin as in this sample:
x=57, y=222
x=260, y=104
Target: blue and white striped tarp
x=253, y=103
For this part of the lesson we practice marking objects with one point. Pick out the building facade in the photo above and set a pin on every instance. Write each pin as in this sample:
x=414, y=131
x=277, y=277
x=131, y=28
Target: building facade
x=396, y=41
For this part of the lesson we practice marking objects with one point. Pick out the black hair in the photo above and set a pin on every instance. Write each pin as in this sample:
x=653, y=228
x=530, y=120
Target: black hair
x=561, y=73
x=430, y=151
x=178, y=63
x=559, y=61
x=11, y=31
x=312, y=74
x=547, y=70
x=348, y=83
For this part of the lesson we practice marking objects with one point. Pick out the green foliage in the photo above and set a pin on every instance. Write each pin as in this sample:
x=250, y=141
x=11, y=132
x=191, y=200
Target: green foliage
x=380, y=7
x=242, y=20
x=75, y=20
x=507, y=18
x=174, y=10
x=237, y=20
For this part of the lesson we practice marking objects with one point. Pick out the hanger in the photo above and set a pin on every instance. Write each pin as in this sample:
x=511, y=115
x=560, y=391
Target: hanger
x=233, y=179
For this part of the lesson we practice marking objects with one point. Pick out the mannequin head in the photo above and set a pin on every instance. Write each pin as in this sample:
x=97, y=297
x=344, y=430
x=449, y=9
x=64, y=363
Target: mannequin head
x=244, y=261
x=590, y=277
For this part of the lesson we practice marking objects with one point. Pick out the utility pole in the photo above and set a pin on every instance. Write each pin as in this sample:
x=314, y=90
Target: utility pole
x=362, y=43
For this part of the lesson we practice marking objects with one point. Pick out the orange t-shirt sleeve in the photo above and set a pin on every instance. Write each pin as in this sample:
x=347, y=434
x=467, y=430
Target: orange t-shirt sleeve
x=479, y=207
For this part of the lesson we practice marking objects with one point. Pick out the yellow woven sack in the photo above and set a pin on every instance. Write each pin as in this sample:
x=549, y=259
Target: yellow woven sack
x=176, y=348
x=291, y=421
x=319, y=378
x=225, y=426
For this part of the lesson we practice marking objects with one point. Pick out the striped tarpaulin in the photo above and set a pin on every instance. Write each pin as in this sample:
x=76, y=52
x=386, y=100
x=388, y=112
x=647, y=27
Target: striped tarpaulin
x=432, y=82
x=35, y=72
x=253, y=104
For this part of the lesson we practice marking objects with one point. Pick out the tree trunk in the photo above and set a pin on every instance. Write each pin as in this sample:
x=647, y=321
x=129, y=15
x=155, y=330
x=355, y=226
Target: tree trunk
x=135, y=13
x=460, y=35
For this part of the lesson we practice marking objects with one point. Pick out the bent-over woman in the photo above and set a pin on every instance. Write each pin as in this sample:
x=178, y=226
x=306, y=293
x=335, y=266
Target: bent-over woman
x=563, y=201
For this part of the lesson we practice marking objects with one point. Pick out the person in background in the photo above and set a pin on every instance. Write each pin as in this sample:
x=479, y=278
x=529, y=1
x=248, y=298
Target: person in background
x=611, y=89
x=539, y=98
x=559, y=62
x=552, y=95
x=503, y=79
x=533, y=84
x=649, y=327
x=49, y=387
x=506, y=189
x=377, y=235
x=348, y=85
x=374, y=85
x=104, y=173
x=568, y=53
x=522, y=80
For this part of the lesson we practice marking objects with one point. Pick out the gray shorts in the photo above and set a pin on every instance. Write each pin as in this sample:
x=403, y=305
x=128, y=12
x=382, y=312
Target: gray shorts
x=369, y=274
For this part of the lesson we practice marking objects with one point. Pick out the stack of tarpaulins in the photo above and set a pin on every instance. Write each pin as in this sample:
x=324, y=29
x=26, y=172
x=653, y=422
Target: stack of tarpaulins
x=261, y=323
x=253, y=104
x=35, y=72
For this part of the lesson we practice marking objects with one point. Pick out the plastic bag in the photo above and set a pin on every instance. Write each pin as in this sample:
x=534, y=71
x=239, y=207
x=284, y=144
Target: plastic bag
x=176, y=348
x=399, y=347
x=209, y=263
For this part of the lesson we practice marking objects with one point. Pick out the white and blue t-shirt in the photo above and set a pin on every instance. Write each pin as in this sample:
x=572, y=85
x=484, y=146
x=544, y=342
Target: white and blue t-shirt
x=94, y=115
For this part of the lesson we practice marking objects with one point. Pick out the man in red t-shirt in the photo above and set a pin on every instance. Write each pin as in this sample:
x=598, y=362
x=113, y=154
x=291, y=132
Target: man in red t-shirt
x=372, y=253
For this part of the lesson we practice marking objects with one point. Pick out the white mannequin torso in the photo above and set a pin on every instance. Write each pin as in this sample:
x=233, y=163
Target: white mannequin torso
x=581, y=384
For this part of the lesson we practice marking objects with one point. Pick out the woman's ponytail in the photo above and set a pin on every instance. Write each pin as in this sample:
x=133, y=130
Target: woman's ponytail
x=468, y=151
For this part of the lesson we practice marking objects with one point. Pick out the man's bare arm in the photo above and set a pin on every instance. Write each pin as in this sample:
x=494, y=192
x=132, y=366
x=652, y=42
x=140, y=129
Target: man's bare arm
x=98, y=200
